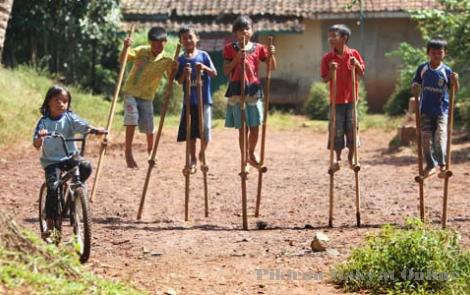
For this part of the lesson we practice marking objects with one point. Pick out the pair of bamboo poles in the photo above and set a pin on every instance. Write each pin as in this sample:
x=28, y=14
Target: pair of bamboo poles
x=447, y=173
x=187, y=169
x=204, y=168
x=355, y=163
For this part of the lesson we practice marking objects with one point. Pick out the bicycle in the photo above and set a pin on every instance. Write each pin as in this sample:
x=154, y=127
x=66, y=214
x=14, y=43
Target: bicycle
x=73, y=200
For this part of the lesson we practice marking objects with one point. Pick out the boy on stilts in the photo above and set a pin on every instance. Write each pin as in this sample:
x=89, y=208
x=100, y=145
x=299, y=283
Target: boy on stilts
x=340, y=68
x=434, y=78
x=434, y=109
x=344, y=59
x=149, y=66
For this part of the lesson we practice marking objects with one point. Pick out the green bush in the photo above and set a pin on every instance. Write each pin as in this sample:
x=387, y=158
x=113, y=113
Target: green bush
x=362, y=107
x=411, y=57
x=219, y=105
x=316, y=106
x=176, y=100
x=397, y=104
x=414, y=260
x=462, y=113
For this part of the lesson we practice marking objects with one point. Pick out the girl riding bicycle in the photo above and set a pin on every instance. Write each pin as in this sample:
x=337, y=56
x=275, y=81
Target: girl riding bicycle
x=57, y=117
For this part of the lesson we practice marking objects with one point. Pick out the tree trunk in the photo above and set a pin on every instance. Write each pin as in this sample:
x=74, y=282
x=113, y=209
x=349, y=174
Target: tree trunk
x=93, y=65
x=5, y=11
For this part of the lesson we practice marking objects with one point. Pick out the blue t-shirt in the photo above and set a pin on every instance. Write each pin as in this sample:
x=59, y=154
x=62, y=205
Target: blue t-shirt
x=68, y=124
x=435, y=84
x=203, y=58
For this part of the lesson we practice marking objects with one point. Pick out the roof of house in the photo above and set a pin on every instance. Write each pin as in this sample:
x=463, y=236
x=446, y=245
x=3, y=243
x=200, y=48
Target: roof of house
x=273, y=15
x=201, y=25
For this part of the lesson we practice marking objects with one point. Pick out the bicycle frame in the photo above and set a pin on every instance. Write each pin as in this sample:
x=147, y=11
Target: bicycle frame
x=73, y=173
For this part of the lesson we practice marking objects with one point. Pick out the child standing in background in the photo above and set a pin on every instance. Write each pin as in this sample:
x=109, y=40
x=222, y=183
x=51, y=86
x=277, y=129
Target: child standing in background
x=199, y=60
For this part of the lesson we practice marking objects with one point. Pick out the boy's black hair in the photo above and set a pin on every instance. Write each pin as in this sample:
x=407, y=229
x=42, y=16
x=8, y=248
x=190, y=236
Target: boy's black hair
x=342, y=29
x=186, y=29
x=51, y=92
x=157, y=34
x=436, y=44
x=242, y=22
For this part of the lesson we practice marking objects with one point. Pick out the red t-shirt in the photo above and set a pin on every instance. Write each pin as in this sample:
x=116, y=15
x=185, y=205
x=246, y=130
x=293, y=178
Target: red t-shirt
x=257, y=53
x=343, y=73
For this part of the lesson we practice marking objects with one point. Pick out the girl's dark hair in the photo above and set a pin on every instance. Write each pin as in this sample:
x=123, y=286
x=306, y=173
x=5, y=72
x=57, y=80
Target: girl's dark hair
x=51, y=92
x=185, y=30
x=242, y=22
x=436, y=44
x=342, y=30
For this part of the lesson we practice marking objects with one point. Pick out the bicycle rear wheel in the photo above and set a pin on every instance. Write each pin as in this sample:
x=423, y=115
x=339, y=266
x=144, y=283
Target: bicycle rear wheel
x=81, y=223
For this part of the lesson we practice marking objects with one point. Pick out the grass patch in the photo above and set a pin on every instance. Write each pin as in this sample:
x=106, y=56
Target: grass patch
x=379, y=121
x=415, y=260
x=29, y=266
x=23, y=91
x=286, y=121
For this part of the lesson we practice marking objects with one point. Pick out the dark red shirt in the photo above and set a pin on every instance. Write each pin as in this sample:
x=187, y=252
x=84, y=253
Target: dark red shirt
x=253, y=57
x=256, y=54
x=343, y=73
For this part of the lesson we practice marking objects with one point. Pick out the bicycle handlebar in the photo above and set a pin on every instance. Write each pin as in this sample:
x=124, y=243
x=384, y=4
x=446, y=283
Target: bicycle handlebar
x=56, y=134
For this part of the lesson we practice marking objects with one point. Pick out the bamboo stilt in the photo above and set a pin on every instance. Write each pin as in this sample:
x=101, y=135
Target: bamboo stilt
x=187, y=168
x=448, y=174
x=356, y=166
x=243, y=172
x=204, y=167
x=163, y=111
x=262, y=169
x=104, y=143
x=420, y=157
x=332, y=144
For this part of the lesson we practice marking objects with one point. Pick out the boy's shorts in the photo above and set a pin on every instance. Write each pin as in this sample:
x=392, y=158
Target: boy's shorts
x=207, y=113
x=344, y=127
x=139, y=111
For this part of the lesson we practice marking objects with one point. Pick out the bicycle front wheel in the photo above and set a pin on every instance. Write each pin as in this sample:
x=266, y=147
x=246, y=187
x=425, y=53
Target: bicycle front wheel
x=42, y=209
x=81, y=223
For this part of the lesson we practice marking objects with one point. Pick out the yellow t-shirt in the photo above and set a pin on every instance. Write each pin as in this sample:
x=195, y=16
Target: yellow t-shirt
x=146, y=73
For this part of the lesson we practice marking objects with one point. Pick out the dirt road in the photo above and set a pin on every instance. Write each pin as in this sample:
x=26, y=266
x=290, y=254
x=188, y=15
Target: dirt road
x=213, y=255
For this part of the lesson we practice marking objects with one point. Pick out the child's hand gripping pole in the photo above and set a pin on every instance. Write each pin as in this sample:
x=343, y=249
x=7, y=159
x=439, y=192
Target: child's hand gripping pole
x=117, y=89
x=166, y=99
x=204, y=167
x=187, y=167
x=450, y=127
x=243, y=141
x=420, y=178
x=261, y=168
x=332, y=130
x=355, y=165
